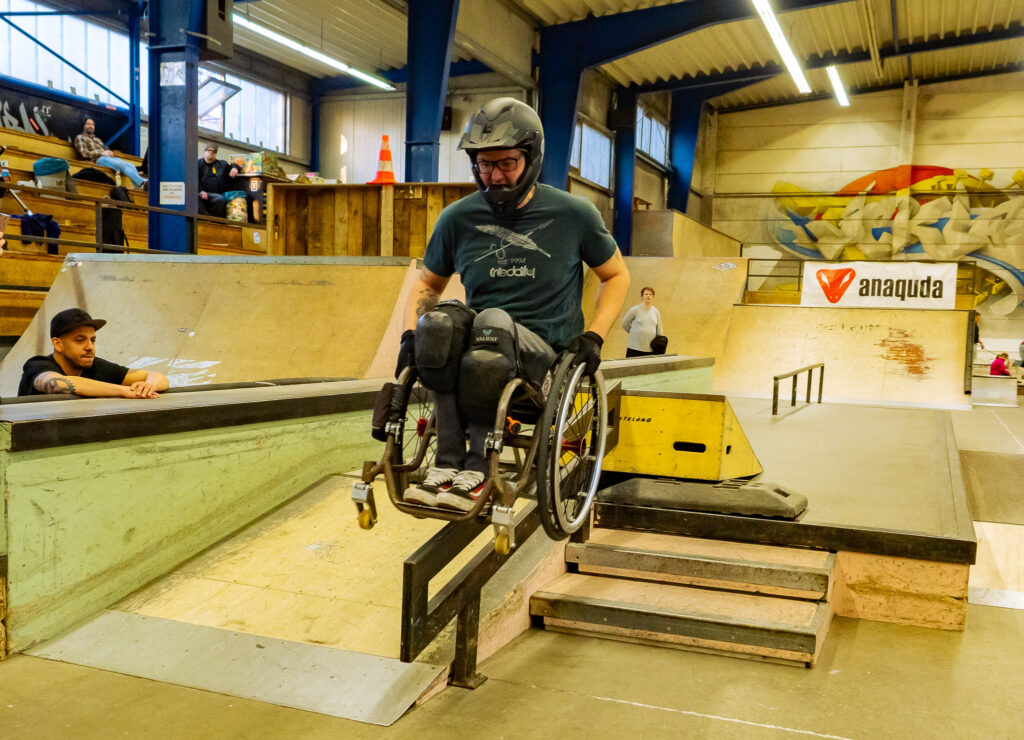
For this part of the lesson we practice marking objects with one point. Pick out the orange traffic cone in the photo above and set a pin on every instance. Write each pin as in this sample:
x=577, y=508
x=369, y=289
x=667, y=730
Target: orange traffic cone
x=385, y=169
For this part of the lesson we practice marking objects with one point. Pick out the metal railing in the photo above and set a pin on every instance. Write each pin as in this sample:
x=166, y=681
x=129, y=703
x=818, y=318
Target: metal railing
x=771, y=274
x=99, y=204
x=809, y=369
x=423, y=618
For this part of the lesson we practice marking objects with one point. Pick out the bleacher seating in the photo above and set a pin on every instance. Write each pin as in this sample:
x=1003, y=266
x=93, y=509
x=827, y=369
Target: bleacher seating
x=27, y=271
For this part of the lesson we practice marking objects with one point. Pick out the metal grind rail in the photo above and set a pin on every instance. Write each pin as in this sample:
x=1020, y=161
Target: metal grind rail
x=424, y=618
x=809, y=369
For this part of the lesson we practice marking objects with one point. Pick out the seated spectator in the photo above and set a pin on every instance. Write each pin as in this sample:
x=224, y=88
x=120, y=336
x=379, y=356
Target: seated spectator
x=999, y=367
x=74, y=367
x=215, y=176
x=91, y=147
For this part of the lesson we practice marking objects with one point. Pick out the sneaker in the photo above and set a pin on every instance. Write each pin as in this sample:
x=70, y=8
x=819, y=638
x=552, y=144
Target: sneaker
x=435, y=481
x=463, y=492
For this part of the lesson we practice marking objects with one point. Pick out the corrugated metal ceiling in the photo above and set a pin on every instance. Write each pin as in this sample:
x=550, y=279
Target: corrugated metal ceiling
x=371, y=35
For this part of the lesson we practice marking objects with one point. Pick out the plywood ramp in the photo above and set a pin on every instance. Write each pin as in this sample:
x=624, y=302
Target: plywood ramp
x=694, y=295
x=870, y=355
x=225, y=319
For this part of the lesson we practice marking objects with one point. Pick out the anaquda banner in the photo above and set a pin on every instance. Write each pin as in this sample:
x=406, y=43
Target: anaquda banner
x=879, y=284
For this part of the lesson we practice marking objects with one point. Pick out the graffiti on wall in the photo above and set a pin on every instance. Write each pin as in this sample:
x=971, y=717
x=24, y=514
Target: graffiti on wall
x=914, y=212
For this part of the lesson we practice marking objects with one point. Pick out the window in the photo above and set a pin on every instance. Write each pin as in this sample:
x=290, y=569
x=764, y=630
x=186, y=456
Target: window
x=254, y=114
x=87, y=45
x=651, y=135
x=592, y=155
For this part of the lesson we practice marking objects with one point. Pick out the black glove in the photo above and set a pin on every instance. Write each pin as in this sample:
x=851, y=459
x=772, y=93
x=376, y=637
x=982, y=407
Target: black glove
x=586, y=349
x=406, y=352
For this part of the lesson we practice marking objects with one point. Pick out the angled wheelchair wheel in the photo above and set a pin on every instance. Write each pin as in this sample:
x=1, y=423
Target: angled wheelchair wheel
x=415, y=439
x=570, y=448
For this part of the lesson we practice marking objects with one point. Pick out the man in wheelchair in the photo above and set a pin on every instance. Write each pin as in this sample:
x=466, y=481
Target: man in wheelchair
x=519, y=248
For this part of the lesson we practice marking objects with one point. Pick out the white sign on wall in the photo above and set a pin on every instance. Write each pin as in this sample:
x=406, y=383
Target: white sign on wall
x=172, y=193
x=879, y=285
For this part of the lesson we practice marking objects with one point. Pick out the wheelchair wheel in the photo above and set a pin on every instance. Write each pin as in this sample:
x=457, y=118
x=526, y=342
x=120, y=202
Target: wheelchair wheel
x=571, y=447
x=417, y=430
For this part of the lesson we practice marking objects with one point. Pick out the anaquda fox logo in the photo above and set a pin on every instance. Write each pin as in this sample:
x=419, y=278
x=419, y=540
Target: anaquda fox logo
x=835, y=282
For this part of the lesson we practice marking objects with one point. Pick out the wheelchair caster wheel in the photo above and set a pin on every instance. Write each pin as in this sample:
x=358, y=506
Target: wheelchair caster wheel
x=365, y=519
x=502, y=546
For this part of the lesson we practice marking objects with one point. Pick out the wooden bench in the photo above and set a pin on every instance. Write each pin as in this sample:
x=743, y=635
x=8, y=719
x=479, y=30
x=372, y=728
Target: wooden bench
x=23, y=150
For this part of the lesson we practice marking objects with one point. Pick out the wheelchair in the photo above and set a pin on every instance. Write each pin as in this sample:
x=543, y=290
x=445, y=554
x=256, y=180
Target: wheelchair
x=546, y=443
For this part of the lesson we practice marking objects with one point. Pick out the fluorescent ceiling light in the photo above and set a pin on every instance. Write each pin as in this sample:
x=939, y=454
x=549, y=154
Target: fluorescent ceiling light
x=837, y=85
x=244, y=22
x=764, y=9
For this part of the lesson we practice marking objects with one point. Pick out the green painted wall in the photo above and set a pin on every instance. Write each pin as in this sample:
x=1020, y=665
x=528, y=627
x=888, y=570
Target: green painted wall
x=89, y=524
x=691, y=380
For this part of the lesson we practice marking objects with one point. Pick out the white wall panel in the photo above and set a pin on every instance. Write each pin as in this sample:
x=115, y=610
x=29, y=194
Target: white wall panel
x=362, y=119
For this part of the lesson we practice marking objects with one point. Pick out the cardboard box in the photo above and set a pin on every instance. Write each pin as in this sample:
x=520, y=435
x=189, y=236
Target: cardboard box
x=254, y=239
x=258, y=163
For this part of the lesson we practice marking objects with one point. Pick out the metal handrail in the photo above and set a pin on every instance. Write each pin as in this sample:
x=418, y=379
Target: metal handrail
x=424, y=618
x=964, y=283
x=99, y=204
x=809, y=369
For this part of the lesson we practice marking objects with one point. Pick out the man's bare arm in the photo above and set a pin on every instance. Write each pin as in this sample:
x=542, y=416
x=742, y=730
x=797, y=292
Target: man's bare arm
x=158, y=381
x=424, y=296
x=611, y=293
x=51, y=382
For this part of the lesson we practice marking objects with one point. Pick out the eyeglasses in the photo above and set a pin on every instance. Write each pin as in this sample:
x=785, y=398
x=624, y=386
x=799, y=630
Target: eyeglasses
x=485, y=167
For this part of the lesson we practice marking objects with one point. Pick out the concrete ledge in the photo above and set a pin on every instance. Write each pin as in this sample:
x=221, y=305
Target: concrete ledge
x=993, y=390
x=36, y=426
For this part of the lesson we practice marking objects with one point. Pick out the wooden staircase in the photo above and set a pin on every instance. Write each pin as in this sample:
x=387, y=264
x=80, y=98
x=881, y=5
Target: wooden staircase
x=755, y=601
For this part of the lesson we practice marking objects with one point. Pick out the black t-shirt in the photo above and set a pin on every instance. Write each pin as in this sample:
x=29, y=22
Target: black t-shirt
x=213, y=176
x=529, y=264
x=102, y=370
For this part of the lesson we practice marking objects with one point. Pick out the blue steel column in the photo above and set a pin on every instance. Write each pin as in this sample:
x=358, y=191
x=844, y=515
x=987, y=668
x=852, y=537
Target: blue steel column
x=135, y=80
x=625, y=162
x=314, y=134
x=559, y=97
x=684, y=127
x=173, y=116
x=431, y=31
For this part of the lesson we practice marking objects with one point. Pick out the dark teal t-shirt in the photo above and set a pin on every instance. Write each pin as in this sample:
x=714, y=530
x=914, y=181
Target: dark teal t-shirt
x=530, y=265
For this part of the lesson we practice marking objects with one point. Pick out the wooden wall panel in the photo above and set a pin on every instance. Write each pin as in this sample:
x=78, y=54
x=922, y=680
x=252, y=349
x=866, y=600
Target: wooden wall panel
x=359, y=220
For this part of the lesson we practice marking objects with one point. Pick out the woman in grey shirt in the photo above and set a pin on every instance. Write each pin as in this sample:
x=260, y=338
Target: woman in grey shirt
x=643, y=323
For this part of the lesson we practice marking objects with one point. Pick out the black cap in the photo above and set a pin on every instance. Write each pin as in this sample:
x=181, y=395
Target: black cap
x=70, y=319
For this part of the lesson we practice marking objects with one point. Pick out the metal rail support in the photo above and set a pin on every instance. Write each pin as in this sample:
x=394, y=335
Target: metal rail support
x=809, y=369
x=424, y=618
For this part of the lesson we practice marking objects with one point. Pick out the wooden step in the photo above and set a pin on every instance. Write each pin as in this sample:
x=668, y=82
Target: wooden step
x=17, y=308
x=725, y=622
x=737, y=566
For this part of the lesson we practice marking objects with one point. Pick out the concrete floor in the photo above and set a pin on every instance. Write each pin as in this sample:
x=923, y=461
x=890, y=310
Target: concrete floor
x=873, y=681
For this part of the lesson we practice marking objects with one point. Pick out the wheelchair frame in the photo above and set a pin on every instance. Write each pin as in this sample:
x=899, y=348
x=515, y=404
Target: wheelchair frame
x=499, y=493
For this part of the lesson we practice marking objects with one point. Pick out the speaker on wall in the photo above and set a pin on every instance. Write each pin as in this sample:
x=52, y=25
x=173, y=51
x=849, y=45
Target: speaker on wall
x=218, y=30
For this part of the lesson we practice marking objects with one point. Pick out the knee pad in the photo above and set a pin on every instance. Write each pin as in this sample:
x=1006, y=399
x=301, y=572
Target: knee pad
x=442, y=336
x=486, y=369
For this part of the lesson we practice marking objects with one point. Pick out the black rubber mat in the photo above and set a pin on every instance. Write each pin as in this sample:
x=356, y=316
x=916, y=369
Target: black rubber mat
x=995, y=486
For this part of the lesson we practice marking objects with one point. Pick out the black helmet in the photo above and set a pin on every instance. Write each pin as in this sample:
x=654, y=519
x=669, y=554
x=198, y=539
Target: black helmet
x=506, y=123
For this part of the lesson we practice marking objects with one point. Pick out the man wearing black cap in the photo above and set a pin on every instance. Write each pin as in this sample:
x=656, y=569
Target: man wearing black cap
x=74, y=367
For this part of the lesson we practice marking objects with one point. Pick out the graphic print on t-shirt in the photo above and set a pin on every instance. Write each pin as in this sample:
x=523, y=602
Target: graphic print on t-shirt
x=507, y=264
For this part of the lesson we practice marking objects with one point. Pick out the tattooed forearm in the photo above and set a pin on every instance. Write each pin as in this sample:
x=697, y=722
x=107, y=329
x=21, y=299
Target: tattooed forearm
x=56, y=384
x=427, y=302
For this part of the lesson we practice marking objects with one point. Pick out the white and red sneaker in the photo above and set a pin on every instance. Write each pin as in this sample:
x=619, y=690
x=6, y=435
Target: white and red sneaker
x=436, y=481
x=463, y=492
